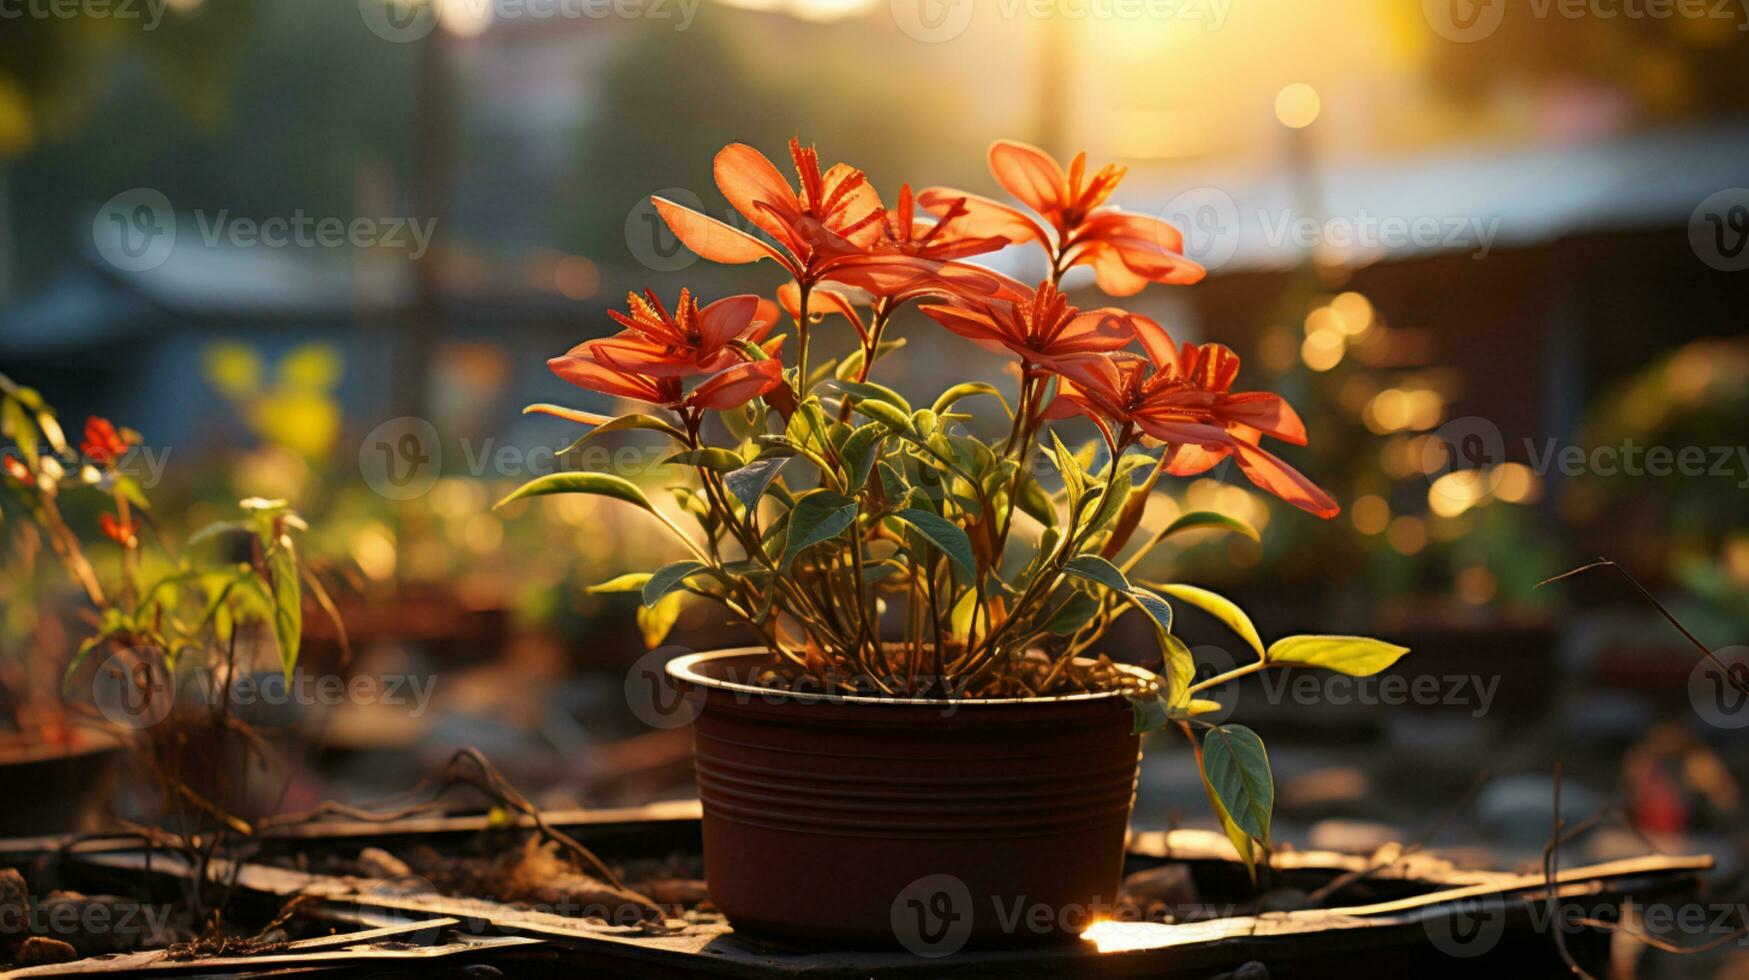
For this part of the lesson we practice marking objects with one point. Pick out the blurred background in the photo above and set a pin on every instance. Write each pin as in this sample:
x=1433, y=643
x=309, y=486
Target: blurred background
x=1494, y=253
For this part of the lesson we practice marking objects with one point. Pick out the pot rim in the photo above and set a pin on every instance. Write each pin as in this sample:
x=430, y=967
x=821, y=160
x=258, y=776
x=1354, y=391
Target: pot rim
x=684, y=669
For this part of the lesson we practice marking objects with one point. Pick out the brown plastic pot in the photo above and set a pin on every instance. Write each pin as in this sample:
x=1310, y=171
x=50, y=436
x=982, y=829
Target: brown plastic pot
x=927, y=824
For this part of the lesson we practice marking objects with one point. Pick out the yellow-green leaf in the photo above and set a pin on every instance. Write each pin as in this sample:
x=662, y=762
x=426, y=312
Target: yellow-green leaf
x=601, y=484
x=1221, y=608
x=1357, y=656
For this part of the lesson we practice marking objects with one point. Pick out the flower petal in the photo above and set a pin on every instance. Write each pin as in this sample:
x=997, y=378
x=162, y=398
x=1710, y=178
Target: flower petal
x=724, y=320
x=1030, y=175
x=714, y=240
x=582, y=370
x=737, y=385
x=983, y=217
x=1267, y=413
x=1274, y=475
x=747, y=179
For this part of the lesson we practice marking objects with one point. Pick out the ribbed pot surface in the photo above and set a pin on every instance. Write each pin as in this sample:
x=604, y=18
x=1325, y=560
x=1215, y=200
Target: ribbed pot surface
x=929, y=825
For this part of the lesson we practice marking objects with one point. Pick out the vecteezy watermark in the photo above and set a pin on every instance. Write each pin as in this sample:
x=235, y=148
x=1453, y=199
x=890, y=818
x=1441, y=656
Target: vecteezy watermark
x=148, y=13
x=649, y=239
x=1473, y=927
x=935, y=21
x=1214, y=226
x=1466, y=21
x=61, y=915
x=137, y=230
x=653, y=696
x=1473, y=443
x=935, y=915
x=402, y=458
x=932, y=916
x=1365, y=231
x=1718, y=230
x=1716, y=685
x=1473, y=691
x=402, y=21
x=132, y=689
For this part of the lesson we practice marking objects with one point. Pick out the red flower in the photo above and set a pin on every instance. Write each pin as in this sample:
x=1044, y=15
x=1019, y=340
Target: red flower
x=125, y=535
x=691, y=341
x=1182, y=397
x=15, y=468
x=1040, y=327
x=1126, y=250
x=103, y=444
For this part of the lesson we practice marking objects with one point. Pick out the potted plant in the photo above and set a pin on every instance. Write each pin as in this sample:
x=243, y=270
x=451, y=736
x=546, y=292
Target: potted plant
x=163, y=634
x=930, y=717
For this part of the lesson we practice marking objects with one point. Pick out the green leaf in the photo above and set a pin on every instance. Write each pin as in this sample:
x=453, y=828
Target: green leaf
x=624, y=422
x=1221, y=608
x=967, y=389
x=215, y=529
x=860, y=452
x=288, y=605
x=1073, y=614
x=864, y=391
x=1097, y=569
x=1237, y=766
x=709, y=458
x=1149, y=713
x=1357, y=656
x=1074, y=478
x=749, y=482
x=668, y=578
x=818, y=516
x=15, y=422
x=945, y=535
x=887, y=414
x=1198, y=519
x=600, y=484
x=1240, y=839
x=852, y=363
x=1036, y=503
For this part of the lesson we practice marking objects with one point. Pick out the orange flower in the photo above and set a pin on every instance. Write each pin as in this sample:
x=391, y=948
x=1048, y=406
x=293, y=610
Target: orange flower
x=103, y=444
x=1040, y=327
x=1126, y=250
x=126, y=535
x=833, y=226
x=1182, y=397
x=586, y=367
x=691, y=341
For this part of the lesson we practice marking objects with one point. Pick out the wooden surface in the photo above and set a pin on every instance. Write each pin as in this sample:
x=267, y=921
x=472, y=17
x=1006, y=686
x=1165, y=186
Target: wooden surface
x=1378, y=937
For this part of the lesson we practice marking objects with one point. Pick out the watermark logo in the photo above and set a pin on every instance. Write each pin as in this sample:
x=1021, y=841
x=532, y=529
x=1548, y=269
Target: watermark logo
x=1717, y=691
x=1208, y=218
x=387, y=901
x=399, y=21
x=932, y=916
x=933, y=21
x=150, y=13
x=1464, y=21
x=1211, y=662
x=401, y=458
x=1718, y=230
x=1469, y=928
x=654, y=697
x=131, y=689
x=135, y=231
x=648, y=237
x=1470, y=443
